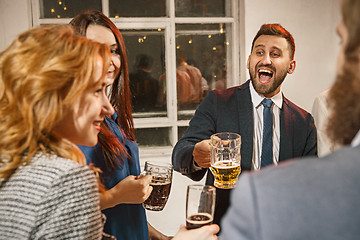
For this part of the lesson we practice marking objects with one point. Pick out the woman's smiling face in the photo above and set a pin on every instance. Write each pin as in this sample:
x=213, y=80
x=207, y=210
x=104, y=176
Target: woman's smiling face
x=105, y=36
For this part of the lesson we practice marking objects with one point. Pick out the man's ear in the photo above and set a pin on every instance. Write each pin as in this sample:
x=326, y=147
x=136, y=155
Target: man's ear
x=292, y=67
x=248, y=62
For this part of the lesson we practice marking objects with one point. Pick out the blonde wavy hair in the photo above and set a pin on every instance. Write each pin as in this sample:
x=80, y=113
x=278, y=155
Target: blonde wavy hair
x=42, y=73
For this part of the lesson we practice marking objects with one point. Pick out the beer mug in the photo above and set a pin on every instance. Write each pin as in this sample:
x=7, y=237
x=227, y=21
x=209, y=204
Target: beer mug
x=161, y=182
x=200, y=205
x=225, y=159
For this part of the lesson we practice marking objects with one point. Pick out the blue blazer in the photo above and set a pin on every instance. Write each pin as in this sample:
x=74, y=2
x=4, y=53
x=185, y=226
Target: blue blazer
x=231, y=110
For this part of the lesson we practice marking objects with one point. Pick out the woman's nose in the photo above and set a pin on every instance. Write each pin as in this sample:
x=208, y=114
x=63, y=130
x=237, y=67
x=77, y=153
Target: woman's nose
x=107, y=108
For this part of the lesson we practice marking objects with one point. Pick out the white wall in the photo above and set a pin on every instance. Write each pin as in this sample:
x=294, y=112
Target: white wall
x=14, y=18
x=312, y=24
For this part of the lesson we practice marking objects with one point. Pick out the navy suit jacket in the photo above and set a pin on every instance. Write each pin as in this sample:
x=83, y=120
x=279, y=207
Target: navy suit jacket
x=231, y=110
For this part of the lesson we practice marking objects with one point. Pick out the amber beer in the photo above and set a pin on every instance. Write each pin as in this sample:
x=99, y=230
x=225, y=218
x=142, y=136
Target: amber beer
x=159, y=195
x=198, y=220
x=226, y=173
x=225, y=159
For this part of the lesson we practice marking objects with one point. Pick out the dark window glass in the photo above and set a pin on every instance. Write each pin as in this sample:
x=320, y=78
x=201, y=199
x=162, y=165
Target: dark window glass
x=137, y=8
x=181, y=131
x=66, y=8
x=146, y=51
x=202, y=8
x=153, y=136
x=201, y=64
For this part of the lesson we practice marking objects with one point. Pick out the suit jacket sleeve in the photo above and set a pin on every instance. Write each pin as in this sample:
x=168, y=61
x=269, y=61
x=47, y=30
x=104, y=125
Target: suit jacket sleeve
x=201, y=127
x=241, y=220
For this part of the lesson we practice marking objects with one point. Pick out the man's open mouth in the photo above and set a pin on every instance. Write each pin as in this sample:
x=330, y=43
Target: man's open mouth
x=265, y=75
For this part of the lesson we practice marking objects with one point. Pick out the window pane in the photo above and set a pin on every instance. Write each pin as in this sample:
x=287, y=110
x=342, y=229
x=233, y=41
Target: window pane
x=181, y=131
x=153, y=136
x=146, y=51
x=66, y=8
x=202, y=63
x=137, y=8
x=202, y=8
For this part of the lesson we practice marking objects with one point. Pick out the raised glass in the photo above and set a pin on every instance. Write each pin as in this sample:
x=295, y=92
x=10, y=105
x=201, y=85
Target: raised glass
x=200, y=205
x=161, y=182
x=225, y=159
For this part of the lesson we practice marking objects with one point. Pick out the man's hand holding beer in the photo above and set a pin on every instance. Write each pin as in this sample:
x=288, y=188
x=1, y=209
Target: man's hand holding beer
x=202, y=153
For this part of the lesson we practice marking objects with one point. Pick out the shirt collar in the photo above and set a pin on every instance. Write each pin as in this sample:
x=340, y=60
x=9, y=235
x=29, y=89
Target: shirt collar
x=356, y=141
x=257, y=98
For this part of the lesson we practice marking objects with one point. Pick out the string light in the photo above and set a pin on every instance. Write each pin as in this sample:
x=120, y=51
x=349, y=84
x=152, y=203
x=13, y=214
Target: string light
x=227, y=43
x=52, y=10
x=140, y=40
x=177, y=47
x=214, y=48
x=116, y=16
x=221, y=28
x=144, y=37
x=159, y=29
x=60, y=2
x=58, y=16
x=209, y=36
x=65, y=8
x=190, y=41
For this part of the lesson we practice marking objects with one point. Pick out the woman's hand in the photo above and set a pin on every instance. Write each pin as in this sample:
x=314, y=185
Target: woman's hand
x=132, y=189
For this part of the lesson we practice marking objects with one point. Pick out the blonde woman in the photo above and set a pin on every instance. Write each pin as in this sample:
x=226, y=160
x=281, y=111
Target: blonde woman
x=52, y=96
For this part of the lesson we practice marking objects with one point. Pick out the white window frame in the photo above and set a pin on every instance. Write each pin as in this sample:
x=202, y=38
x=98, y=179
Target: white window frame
x=168, y=24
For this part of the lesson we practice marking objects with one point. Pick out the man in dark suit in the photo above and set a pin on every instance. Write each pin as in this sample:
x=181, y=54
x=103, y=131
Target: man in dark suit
x=312, y=198
x=240, y=110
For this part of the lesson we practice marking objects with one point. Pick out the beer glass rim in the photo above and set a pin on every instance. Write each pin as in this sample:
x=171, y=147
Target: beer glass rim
x=160, y=164
x=236, y=135
x=201, y=187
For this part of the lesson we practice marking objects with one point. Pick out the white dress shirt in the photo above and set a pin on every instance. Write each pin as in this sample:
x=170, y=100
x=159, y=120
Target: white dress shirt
x=258, y=126
x=356, y=141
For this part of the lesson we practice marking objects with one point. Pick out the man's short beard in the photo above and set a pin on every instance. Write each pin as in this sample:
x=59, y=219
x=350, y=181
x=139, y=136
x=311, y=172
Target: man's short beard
x=266, y=89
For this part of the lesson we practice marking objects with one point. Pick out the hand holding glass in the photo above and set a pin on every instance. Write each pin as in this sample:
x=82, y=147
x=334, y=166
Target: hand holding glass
x=161, y=182
x=200, y=205
x=225, y=159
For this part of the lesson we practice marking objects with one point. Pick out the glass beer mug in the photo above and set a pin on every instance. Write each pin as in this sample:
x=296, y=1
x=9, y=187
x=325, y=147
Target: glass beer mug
x=225, y=159
x=161, y=182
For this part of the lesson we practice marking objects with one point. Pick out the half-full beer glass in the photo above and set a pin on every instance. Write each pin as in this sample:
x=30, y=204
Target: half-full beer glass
x=200, y=205
x=225, y=159
x=161, y=182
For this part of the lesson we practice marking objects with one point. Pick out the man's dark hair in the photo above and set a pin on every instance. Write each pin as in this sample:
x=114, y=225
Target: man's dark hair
x=276, y=30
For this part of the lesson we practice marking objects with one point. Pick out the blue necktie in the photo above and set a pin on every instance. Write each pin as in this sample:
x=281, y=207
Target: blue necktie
x=267, y=143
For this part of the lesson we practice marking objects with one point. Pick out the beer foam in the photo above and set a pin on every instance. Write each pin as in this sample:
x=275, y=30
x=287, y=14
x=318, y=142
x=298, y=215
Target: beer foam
x=210, y=218
x=225, y=164
x=160, y=183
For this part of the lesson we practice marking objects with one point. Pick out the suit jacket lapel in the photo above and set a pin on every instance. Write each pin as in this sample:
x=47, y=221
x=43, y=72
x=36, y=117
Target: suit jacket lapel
x=286, y=131
x=246, y=125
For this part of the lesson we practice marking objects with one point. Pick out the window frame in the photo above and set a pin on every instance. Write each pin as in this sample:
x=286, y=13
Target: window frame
x=168, y=23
